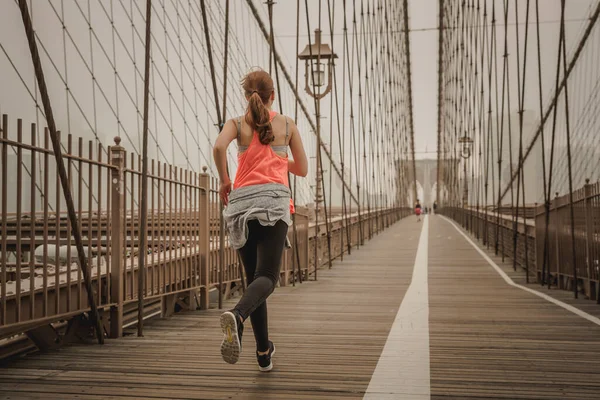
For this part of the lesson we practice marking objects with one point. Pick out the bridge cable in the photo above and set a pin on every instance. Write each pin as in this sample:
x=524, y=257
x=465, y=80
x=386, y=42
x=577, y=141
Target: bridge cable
x=294, y=90
x=296, y=259
x=481, y=20
x=346, y=213
x=296, y=249
x=508, y=117
x=355, y=142
x=219, y=126
x=521, y=101
x=593, y=19
x=568, y=138
x=546, y=274
x=144, y=195
x=318, y=149
x=39, y=73
x=543, y=149
x=500, y=137
x=221, y=208
x=340, y=127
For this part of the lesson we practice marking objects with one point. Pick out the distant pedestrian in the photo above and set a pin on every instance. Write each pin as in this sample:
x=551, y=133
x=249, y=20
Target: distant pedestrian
x=418, y=210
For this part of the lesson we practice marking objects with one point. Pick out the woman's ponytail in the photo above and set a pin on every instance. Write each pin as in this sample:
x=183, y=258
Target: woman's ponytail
x=259, y=88
x=257, y=116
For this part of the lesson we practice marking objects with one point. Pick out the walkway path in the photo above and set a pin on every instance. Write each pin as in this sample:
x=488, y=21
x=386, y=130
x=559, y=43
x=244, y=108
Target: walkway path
x=416, y=313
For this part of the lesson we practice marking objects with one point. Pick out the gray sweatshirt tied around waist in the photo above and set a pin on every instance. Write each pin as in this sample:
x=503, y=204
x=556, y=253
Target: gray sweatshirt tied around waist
x=267, y=203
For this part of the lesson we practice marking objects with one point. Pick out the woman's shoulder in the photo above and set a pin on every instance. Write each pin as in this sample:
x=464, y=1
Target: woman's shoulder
x=284, y=119
x=288, y=119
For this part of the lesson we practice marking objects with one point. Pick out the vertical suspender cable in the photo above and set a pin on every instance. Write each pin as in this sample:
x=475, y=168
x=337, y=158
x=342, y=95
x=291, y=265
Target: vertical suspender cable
x=441, y=101
x=320, y=161
x=521, y=100
x=546, y=203
x=592, y=20
x=499, y=130
x=295, y=260
x=144, y=197
x=506, y=69
x=288, y=78
x=343, y=141
x=410, y=99
x=553, y=138
x=220, y=124
x=489, y=153
x=296, y=249
x=221, y=220
x=339, y=134
x=569, y=159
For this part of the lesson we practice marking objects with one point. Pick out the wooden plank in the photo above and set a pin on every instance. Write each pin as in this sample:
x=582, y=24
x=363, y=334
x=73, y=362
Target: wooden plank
x=329, y=335
x=488, y=340
x=491, y=340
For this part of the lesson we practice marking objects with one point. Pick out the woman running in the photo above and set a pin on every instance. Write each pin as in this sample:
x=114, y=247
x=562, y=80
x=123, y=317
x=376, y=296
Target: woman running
x=258, y=209
x=418, y=210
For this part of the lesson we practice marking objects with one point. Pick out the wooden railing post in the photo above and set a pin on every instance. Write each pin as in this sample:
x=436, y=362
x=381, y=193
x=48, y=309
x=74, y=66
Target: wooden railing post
x=204, y=216
x=117, y=237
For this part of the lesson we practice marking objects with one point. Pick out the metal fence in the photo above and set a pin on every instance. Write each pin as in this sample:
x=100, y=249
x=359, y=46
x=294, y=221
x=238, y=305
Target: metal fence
x=41, y=281
x=562, y=258
x=39, y=278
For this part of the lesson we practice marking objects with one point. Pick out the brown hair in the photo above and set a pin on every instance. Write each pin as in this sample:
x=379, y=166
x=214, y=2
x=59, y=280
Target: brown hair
x=258, y=87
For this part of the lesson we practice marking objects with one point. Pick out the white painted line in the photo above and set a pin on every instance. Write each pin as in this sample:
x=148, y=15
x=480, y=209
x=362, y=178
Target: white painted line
x=402, y=371
x=508, y=280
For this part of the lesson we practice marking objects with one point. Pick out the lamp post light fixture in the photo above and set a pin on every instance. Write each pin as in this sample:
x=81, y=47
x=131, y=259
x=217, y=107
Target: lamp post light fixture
x=466, y=144
x=317, y=71
x=318, y=60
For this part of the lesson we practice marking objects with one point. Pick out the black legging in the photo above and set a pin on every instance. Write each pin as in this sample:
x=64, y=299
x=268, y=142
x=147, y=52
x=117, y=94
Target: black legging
x=261, y=256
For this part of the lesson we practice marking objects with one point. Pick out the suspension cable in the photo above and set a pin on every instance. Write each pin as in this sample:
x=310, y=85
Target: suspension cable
x=39, y=73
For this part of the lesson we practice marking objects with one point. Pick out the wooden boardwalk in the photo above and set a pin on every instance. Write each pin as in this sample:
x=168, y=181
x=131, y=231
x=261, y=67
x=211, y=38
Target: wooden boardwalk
x=492, y=340
x=486, y=339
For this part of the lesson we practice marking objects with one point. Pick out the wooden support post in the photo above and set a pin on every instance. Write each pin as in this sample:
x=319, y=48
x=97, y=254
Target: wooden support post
x=204, y=216
x=168, y=302
x=193, y=299
x=45, y=337
x=117, y=243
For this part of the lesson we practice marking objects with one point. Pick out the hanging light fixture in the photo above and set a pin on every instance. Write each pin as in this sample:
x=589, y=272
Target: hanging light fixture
x=466, y=145
x=316, y=75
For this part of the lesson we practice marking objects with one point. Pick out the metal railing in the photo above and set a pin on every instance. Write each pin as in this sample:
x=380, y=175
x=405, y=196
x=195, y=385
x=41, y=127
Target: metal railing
x=40, y=277
x=561, y=257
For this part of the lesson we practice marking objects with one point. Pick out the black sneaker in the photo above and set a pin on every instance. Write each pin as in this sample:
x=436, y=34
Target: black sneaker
x=264, y=361
x=232, y=328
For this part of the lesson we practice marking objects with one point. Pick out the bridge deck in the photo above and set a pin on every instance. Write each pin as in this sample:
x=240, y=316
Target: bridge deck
x=445, y=326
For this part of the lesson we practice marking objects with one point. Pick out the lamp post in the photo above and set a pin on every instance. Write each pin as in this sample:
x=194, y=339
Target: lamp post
x=316, y=73
x=466, y=144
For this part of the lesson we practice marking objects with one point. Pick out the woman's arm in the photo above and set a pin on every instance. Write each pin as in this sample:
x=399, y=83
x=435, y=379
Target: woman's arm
x=299, y=165
x=227, y=135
